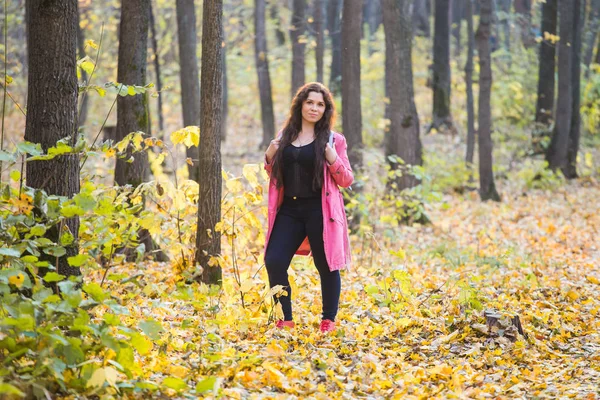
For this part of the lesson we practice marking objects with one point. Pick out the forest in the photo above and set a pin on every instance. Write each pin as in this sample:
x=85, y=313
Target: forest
x=134, y=199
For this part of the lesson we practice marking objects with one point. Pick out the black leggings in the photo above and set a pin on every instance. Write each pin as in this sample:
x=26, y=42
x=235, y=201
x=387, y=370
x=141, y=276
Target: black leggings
x=296, y=219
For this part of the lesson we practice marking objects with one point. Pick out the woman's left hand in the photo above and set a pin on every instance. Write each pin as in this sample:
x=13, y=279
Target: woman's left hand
x=330, y=154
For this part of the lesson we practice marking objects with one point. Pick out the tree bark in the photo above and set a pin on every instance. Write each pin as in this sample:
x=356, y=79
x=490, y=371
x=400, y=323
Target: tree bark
x=132, y=111
x=351, y=109
x=441, y=66
x=403, y=138
x=297, y=31
x=208, y=241
x=547, y=66
x=189, y=76
x=570, y=170
x=154, y=41
x=320, y=34
x=591, y=35
x=557, y=151
x=505, y=6
x=469, y=87
x=487, y=187
x=262, y=70
x=421, y=25
x=334, y=16
x=52, y=107
x=225, y=113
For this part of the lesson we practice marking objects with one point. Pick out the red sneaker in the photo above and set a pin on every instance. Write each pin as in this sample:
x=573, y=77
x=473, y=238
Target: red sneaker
x=327, y=326
x=281, y=324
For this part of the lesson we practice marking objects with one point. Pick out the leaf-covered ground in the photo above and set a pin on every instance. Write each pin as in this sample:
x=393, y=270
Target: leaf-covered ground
x=411, y=321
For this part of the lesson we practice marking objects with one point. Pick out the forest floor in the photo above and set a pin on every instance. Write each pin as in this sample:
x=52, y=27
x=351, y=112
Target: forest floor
x=411, y=322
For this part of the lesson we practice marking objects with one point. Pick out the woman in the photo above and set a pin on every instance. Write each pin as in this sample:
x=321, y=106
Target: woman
x=306, y=208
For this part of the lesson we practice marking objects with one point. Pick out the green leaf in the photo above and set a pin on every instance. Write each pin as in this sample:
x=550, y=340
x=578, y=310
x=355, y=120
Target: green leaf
x=78, y=260
x=71, y=210
x=8, y=389
x=37, y=230
x=53, y=277
x=56, y=251
x=7, y=157
x=15, y=175
x=140, y=343
x=34, y=149
x=95, y=291
x=9, y=252
x=151, y=328
x=206, y=385
x=174, y=383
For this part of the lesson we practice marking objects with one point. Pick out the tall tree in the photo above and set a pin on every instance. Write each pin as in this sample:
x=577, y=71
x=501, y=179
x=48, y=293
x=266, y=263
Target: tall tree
x=208, y=240
x=279, y=33
x=547, y=65
x=296, y=33
x=262, y=69
x=458, y=14
x=373, y=17
x=523, y=11
x=421, y=18
x=225, y=92
x=441, y=66
x=52, y=106
x=132, y=111
x=319, y=17
x=403, y=137
x=487, y=187
x=469, y=86
x=334, y=22
x=189, y=76
x=351, y=110
x=556, y=154
x=570, y=170
x=591, y=35
x=505, y=6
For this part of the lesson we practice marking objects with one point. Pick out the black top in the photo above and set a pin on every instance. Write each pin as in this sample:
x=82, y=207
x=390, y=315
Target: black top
x=299, y=170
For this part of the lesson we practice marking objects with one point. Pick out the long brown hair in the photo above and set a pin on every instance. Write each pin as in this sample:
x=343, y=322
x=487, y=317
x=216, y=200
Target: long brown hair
x=293, y=126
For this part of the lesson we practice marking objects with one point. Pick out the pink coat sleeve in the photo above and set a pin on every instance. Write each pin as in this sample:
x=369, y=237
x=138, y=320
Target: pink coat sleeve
x=340, y=170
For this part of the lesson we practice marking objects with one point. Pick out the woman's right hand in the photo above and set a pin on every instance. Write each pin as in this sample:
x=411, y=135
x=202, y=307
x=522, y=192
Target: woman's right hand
x=272, y=149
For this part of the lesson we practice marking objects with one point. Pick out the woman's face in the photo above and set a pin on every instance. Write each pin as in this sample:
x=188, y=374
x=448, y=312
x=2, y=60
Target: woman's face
x=313, y=107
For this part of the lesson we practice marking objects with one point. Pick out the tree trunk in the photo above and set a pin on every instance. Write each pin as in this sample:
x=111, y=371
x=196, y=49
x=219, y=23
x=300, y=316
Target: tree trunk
x=52, y=107
x=84, y=100
x=279, y=33
x=208, y=241
x=591, y=35
x=189, y=76
x=262, y=70
x=523, y=11
x=505, y=7
x=351, y=110
x=403, y=138
x=373, y=17
x=441, y=66
x=487, y=188
x=132, y=111
x=469, y=83
x=547, y=63
x=154, y=40
x=458, y=11
x=320, y=33
x=334, y=16
x=557, y=152
x=297, y=31
x=570, y=170
x=225, y=94
x=421, y=25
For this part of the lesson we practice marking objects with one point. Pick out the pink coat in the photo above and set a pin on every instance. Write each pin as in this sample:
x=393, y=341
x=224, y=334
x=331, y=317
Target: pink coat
x=335, y=224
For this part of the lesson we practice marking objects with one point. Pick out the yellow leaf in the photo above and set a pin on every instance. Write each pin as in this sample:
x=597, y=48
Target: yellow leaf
x=593, y=279
x=250, y=171
x=179, y=371
x=98, y=378
x=16, y=280
x=234, y=185
x=91, y=44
